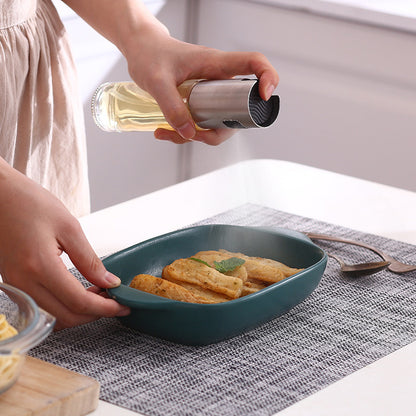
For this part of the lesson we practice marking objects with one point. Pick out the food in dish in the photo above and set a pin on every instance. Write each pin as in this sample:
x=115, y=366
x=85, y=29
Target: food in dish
x=6, y=330
x=161, y=287
x=213, y=277
x=200, y=274
x=9, y=362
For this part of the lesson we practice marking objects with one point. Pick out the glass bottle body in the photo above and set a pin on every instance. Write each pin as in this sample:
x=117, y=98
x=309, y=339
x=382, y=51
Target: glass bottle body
x=123, y=106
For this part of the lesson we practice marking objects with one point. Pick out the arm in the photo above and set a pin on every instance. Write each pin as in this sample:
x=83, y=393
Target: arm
x=35, y=228
x=159, y=63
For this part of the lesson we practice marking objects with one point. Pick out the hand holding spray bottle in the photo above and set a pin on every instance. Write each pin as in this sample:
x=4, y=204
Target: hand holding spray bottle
x=231, y=103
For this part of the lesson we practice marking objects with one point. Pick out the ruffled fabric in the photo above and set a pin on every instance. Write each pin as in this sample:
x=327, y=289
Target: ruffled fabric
x=41, y=119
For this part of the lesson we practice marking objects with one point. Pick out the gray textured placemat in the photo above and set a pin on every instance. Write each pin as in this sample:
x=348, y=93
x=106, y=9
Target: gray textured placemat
x=344, y=325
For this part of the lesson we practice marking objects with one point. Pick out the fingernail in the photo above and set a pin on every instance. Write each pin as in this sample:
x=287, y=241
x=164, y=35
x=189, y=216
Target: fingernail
x=269, y=91
x=187, y=131
x=124, y=311
x=112, y=280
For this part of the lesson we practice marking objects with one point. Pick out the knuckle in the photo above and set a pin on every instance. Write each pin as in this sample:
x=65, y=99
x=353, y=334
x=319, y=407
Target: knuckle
x=96, y=264
x=176, y=115
x=258, y=61
x=71, y=227
x=149, y=84
x=258, y=56
x=32, y=265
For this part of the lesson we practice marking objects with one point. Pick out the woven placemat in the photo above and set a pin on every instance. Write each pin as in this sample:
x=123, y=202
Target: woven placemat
x=346, y=324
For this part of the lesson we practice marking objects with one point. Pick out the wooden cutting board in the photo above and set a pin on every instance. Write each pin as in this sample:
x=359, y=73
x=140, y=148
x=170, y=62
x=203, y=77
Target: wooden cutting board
x=44, y=389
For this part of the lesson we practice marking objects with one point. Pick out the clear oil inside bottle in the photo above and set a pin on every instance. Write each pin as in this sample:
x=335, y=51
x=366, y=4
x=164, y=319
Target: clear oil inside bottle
x=123, y=106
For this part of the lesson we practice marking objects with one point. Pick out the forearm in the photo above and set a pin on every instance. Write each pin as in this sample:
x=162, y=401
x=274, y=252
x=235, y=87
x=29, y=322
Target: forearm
x=122, y=22
x=159, y=63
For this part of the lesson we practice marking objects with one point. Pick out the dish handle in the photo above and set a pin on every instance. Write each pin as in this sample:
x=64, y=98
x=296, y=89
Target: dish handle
x=128, y=296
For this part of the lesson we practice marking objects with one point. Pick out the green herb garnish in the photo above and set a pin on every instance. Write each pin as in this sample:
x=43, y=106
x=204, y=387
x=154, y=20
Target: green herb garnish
x=223, y=266
x=228, y=265
x=201, y=261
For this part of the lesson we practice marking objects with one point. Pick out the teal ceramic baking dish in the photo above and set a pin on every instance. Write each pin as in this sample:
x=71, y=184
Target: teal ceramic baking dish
x=202, y=324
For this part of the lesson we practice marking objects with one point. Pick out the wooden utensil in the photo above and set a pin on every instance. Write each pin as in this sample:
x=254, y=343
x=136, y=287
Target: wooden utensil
x=360, y=269
x=395, y=265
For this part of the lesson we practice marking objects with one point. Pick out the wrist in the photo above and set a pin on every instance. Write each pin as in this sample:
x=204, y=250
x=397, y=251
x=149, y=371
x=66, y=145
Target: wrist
x=140, y=33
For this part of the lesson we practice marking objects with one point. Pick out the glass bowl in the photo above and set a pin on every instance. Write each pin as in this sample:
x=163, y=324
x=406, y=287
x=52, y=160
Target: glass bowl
x=33, y=325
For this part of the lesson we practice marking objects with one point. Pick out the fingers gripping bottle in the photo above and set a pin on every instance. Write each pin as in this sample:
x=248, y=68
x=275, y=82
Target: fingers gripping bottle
x=232, y=103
